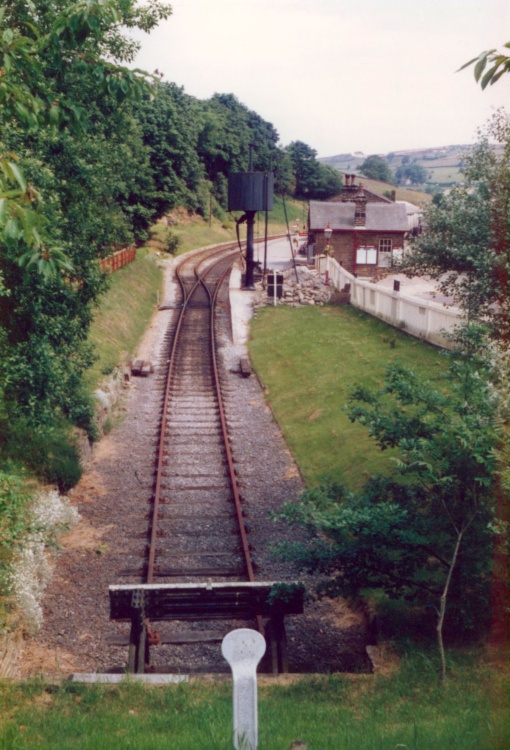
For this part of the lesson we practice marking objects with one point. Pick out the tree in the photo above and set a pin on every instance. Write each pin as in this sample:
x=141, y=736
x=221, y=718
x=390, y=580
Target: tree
x=304, y=165
x=415, y=173
x=170, y=125
x=64, y=109
x=376, y=168
x=424, y=536
x=313, y=179
x=466, y=245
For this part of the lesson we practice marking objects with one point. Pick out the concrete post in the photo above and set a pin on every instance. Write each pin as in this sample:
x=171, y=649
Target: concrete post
x=243, y=649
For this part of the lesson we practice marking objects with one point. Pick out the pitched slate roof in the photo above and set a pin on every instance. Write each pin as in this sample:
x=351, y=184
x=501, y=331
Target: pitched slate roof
x=348, y=192
x=380, y=217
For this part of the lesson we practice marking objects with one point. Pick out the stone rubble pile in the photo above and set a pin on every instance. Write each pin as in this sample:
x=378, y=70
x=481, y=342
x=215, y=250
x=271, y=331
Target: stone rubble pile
x=308, y=289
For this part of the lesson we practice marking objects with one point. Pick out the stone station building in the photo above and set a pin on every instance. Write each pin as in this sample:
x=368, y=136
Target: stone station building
x=366, y=235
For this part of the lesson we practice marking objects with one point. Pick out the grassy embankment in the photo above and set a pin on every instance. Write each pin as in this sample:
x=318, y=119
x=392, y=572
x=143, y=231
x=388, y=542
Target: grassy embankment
x=404, y=708
x=123, y=314
x=194, y=231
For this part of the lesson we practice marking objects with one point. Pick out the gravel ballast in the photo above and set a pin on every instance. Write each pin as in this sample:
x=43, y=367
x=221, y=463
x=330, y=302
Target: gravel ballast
x=113, y=499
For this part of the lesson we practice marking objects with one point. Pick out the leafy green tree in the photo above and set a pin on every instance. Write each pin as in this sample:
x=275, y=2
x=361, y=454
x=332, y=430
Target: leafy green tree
x=466, y=245
x=227, y=129
x=170, y=122
x=313, y=179
x=64, y=109
x=415, y=173
x=425, y=535
x=466, y=248
x=305, y=167
x=376, y=168
x=329, y=182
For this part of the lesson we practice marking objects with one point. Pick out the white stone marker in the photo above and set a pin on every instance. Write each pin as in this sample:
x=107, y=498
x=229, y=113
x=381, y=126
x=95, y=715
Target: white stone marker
x=243, y=649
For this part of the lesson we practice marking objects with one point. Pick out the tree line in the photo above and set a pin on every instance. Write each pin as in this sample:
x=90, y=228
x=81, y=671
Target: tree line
x=92, y=152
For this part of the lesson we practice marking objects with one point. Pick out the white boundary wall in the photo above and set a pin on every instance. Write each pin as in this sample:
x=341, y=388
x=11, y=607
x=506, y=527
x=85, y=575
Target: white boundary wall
x=424, y=319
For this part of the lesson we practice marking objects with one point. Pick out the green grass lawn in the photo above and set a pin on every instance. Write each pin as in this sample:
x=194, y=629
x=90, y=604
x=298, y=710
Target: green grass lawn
x=309, y=359
x=403, y=708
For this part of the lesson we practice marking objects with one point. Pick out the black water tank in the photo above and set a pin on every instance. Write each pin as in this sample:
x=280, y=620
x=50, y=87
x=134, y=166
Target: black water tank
x=250, y=191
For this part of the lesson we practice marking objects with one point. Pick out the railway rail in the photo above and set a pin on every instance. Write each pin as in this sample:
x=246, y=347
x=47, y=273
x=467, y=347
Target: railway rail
x=197, y=531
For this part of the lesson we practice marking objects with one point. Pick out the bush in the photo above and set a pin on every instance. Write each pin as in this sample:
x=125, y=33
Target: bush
x=49, y=452
x=170, y=241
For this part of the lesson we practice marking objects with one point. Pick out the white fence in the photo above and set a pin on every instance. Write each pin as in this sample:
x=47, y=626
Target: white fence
x=425, y=319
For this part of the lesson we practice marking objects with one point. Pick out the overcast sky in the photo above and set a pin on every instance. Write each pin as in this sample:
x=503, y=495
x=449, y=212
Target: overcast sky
x=340, y=75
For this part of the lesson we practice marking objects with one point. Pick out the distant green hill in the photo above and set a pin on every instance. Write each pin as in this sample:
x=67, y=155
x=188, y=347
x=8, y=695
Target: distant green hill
x=443, y=164
x=414, y=195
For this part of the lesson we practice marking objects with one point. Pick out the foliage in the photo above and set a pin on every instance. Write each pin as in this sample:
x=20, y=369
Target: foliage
x=170, y=241
x=426, y=535
x=48, y=515
x=226, y=127
x=499, y=64
x=466, y=245
x=65, y=111
x=49, y=453
x=376, y=168
x=14, y=499
x=313, y=180
x=170, y=128
x=414, y=173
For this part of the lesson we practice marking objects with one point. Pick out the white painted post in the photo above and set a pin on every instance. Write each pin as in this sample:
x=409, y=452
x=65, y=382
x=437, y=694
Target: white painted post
x=243, y=649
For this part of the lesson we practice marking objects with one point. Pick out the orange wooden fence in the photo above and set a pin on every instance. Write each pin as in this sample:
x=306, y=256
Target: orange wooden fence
x=118, y=259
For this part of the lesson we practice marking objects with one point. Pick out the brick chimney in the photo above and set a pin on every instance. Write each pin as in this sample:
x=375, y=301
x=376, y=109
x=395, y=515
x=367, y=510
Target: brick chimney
x=360, y=212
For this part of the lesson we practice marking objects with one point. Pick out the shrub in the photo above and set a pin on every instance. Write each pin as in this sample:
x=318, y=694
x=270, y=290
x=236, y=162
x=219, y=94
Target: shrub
x=48, y=452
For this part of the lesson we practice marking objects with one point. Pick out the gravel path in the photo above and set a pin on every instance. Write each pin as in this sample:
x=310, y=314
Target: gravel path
x=113, y=499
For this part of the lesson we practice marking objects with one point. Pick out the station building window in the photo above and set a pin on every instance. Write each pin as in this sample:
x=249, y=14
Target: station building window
x=385, y=252
x=366, y=256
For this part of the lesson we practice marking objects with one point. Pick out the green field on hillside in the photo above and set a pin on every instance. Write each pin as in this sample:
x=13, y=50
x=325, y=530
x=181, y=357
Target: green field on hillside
x=309, y=359
x=445, y=174
x=442, y=166
x=402, y=193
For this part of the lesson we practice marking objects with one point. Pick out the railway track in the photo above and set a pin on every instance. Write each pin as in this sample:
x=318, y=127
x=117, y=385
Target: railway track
x=195, y=474
x=196, y=530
